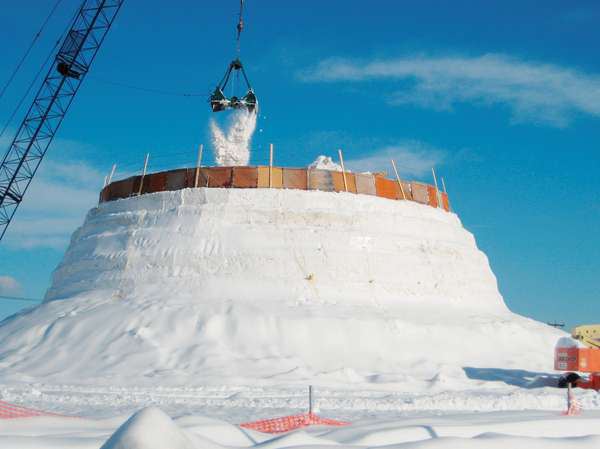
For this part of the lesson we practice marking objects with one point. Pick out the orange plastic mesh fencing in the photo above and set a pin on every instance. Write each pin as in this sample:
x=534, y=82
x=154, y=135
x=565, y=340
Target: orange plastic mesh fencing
x=245, y=177
x=433, y=198
x=387, y=188
x=365, y=184
x=320, y=180
x=288, y=423
x=11, y=411
x=219, y=176
x=294, y=178
x=276, y=177
x=420, y=193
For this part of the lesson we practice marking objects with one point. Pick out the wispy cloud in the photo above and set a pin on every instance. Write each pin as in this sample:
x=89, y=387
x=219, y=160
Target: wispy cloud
x=412, y=158
x=9, y=286
x=537, y=92
x=56, y=201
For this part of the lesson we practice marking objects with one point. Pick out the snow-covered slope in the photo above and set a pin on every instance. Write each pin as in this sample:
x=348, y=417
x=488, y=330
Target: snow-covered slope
x=266, y=285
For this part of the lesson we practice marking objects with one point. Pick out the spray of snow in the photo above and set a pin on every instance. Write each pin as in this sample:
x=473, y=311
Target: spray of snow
x=233, y=147
x=325, y=163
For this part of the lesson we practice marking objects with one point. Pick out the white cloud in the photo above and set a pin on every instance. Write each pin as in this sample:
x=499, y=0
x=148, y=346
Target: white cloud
x=533, y=91
x=9, y=286
x=412, y=158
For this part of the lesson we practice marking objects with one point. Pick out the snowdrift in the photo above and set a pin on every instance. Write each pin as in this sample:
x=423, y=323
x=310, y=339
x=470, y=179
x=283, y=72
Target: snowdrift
x=262, y=286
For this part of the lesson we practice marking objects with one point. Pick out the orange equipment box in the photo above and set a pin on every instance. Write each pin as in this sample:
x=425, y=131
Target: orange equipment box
x=586, y=360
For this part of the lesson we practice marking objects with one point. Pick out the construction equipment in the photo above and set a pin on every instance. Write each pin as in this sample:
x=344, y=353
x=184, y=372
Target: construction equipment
x=582, y=355
x=218, y=100
x=72, y=62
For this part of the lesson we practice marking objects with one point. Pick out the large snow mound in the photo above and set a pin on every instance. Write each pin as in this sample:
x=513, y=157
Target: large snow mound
x=266, y=285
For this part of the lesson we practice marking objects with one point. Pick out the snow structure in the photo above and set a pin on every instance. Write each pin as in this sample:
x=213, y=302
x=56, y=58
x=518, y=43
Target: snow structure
x=270, y=286
x=232, y=148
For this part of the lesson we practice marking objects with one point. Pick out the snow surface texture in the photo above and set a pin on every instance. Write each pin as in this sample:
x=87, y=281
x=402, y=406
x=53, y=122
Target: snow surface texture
x=270, y=286
x=233, y=148
x=152, y=429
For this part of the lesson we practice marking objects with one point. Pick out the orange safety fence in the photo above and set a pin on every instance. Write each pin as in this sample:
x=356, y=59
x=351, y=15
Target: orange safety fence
x=11, y=411
x=292, y=422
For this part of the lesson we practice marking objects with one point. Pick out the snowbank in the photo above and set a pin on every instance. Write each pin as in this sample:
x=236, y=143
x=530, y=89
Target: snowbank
x=247, y=286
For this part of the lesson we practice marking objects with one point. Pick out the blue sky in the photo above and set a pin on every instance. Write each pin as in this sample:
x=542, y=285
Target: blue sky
x=504, y=100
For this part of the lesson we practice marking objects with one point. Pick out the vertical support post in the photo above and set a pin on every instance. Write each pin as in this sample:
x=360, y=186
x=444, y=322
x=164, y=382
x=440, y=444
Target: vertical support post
x=398, y=179
x=444, y=186
x=198, y=164
x=343, y=169
x=105, y=182
x=270, y=165
x=144, y=173
x=437, y=191
x=310, y=400
x=112, y=173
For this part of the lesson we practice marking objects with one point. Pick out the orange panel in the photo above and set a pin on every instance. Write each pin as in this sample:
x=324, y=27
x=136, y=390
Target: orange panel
x=351, y=180
x=320, y=180
x=433, y=198
x=585, y=360
x=294, y=178
x=420, y=193
x=245, y=177
x=387, y=188
x=445, y=202
x=277, y=177
x=338, y=181
x=155, y=182
x=365, y=184
x=219, y=176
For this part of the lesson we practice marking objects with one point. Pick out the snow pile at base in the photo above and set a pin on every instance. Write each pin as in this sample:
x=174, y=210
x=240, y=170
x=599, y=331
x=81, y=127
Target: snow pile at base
x=325, y=163
x=264, y=286
x=149, y=428
x=233, y=148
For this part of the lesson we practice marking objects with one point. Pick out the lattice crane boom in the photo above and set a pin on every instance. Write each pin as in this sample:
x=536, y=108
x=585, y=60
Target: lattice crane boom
x=72, y=62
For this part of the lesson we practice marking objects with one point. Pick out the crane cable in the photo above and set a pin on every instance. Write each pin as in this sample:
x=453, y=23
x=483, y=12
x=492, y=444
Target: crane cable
x=35, y=38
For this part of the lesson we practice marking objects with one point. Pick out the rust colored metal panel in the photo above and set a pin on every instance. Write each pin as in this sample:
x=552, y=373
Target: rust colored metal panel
x=351, y=181
x=420, y=193
x=263, y=177
x=407, y=191
x=338, y=181
x=155, y=182
x=176, y=179
x=245, y=177
x=433, y=199
x=365, y=184
x=320, y=180
x=122, y=189
x=219, y=176
x=294, y=178
x=445, y=202
x=387, y=188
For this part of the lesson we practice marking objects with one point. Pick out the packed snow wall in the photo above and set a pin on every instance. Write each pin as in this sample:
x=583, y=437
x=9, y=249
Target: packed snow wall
x=263, y=286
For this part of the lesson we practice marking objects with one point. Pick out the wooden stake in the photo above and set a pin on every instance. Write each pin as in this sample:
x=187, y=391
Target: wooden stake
x=398, y=179
x=343, y=170
x=310, y=400
x=198, y=164
x=143, y=173
x=105, y=183
x=444, y=186
x=112, y=173
x=270, y=165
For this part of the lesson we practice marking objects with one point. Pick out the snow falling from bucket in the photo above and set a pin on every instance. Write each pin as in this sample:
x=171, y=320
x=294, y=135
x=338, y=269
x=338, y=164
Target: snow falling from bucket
x=233, y=148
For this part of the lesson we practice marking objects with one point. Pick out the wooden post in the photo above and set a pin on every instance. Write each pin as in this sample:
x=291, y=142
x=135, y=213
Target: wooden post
x=112, y=173
x=444, y=186
x=270, y=165
x=105, y=183
x=198, y=164
x=310, y=400
x=143, y=173
x=398, y=179
x=343, y=170
x=437, y=191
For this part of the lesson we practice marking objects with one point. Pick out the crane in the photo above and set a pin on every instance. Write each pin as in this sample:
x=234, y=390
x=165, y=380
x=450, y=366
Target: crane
x=79, y=47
